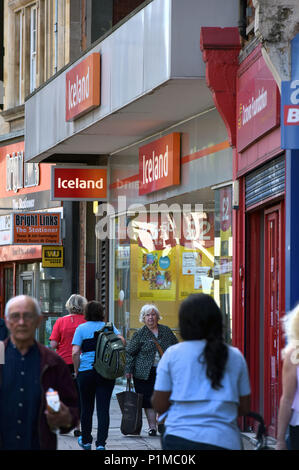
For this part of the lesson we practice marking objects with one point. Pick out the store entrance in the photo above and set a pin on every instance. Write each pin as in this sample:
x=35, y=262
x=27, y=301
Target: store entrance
x=272, y=312
x=264, y=308
x=27, y=283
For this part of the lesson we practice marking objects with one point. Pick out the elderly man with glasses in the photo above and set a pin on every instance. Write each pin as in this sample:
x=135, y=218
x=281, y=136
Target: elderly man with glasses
x=29, y=370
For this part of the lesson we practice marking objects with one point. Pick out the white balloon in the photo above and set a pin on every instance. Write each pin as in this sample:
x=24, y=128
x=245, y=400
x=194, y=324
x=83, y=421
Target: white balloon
x=121, y=295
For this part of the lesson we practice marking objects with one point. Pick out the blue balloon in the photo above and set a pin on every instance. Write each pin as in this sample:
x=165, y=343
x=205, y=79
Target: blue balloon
x=164, y=262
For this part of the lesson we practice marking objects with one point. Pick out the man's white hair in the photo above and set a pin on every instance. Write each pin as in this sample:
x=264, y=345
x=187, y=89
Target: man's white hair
x=147, y=308
x=22, y=297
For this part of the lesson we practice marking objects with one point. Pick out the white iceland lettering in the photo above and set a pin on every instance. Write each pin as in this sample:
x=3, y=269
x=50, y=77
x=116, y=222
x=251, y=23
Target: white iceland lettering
x=155, y=168
x=78, y=183
x=78, y=90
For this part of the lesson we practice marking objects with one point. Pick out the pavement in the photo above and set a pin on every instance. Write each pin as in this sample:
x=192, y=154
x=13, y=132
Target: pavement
x=117, y=441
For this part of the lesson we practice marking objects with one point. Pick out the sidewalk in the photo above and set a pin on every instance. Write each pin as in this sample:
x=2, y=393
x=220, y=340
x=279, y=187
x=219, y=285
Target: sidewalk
x=117, y=441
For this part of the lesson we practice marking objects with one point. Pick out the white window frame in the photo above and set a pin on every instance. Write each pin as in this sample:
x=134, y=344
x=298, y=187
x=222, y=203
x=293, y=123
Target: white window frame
x=33, y=46
x=20, y=55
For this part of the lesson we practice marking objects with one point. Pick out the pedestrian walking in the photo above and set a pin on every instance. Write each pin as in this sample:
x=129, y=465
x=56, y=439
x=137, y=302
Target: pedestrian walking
x=92, y=386
x=30, y=369
x=202, y=383
x=3, y=330
x=63, y=332
x=288, y=413
x=143, y=355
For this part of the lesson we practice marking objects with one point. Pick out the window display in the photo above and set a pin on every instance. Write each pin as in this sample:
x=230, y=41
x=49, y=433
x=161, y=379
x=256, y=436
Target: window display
x=170, y=256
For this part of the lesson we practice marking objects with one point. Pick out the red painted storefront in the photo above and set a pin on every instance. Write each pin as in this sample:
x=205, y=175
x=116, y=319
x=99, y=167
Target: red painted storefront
x=248, y=99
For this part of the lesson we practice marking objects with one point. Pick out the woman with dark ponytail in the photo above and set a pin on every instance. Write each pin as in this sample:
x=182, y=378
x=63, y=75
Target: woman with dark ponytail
x=202, y=383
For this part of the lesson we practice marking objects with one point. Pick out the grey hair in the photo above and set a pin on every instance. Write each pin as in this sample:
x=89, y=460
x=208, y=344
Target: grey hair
x=76, y=304
x=23, y=297
x=147, y=308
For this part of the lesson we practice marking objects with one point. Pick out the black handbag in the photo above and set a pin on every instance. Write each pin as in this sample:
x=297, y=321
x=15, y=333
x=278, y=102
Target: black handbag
x=130, y=404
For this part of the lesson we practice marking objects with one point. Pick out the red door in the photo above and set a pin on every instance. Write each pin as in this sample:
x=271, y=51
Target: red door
x=272, y=312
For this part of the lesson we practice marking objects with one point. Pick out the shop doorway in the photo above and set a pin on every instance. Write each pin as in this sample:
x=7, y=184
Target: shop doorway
x=272, y=314
x=27, y=283
x=264, y=309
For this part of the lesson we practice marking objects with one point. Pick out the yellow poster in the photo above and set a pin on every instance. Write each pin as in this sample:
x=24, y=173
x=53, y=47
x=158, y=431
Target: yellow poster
x=156, y=274
x=196, y=271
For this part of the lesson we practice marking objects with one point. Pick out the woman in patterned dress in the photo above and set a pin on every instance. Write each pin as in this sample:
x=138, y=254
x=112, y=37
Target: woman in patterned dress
x=144, y=351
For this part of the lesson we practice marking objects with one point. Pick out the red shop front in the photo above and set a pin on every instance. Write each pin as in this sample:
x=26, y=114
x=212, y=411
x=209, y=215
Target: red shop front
x=25, y=187
x=259, y=233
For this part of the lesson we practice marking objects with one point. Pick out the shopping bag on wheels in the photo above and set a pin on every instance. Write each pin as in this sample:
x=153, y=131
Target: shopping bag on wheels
x=130, y=404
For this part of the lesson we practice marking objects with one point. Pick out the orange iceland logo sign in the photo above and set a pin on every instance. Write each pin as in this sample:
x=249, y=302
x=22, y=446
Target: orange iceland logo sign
x=83, y=87
x=159, y=164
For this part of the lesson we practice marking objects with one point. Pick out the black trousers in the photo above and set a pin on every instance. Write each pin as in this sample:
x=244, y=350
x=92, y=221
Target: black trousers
x=294, y=437
x=94, y=388
x=71, y=368
x=146, y=387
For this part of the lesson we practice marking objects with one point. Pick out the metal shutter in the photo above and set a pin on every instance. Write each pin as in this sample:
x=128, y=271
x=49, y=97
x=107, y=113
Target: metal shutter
x=265, y=182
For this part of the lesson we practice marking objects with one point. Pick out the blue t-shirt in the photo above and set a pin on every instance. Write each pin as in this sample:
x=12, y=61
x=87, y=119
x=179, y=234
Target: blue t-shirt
x=198, y=412
x=84, y=332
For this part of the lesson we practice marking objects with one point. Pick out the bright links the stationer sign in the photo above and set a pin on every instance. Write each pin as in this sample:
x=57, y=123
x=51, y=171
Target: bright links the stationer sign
x=83, y=87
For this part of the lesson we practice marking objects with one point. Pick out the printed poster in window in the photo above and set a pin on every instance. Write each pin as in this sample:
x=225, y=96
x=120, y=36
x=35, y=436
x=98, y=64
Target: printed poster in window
x=156, y=263
x=196, y=255
x=225, y=261
x=156, y=275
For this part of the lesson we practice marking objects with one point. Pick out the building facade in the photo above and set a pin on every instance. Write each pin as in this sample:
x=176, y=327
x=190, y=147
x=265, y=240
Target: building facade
x=264, y=227
x=181, y=106
x=152, y=92
x=38, y=40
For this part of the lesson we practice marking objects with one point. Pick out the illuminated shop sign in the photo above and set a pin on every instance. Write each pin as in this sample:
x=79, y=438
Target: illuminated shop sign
x=257, y=104
x=290, y=114
x=42, y=228
x=159, y=164
x=19, y=174
x=52, y=256
x=83, y=87
x=79, y=183
x=5, y=230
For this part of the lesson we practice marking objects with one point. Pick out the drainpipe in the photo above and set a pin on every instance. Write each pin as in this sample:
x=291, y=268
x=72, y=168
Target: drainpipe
x=56, y=37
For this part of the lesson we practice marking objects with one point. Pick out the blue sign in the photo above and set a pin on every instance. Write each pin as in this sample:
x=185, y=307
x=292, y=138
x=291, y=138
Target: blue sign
x=295, y=57
x=289, y=116
x=164, y=262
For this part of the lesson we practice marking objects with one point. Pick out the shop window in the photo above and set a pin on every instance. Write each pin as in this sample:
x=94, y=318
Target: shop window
x=8, y=284
x=50, y=291
x=163, y=258
x=223, y=256
x=52, y=307
x=122, y=250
